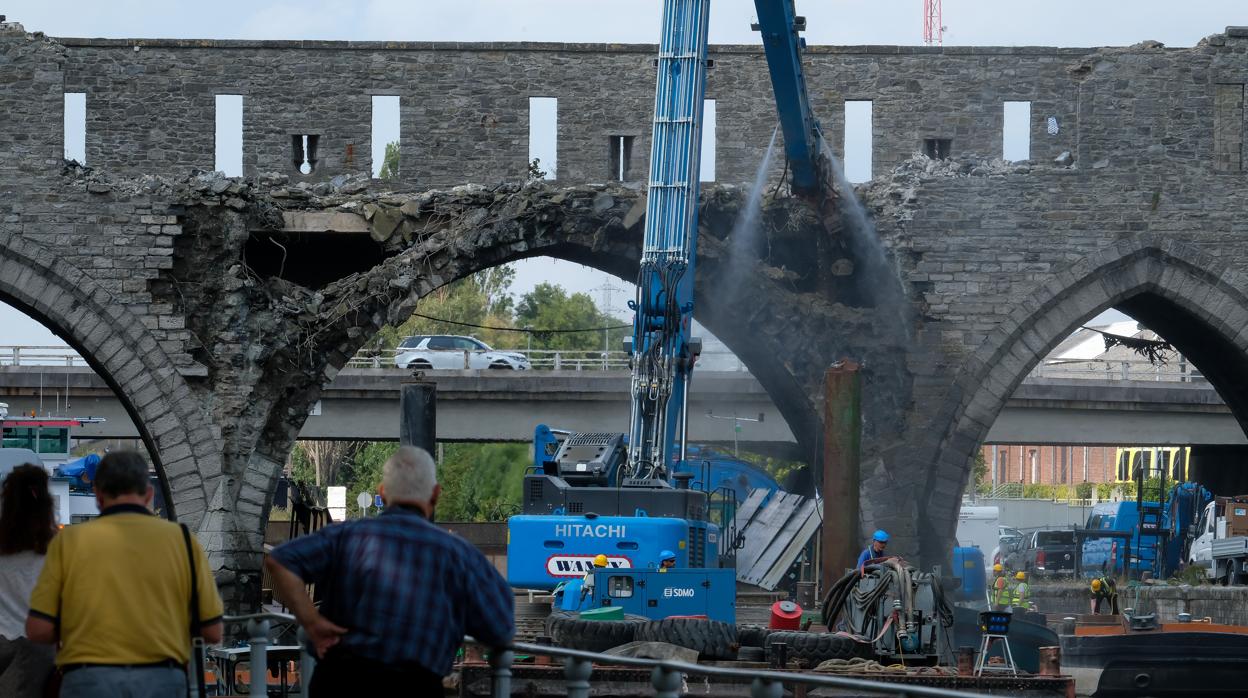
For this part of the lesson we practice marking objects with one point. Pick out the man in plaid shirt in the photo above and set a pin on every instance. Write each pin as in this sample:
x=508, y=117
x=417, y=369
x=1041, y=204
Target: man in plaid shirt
x=399, y=592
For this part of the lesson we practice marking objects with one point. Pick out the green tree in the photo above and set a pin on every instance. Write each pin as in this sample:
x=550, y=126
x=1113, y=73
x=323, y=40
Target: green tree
x=481, y=482
x=481, y=299
x=549, y=307
x=390, y=162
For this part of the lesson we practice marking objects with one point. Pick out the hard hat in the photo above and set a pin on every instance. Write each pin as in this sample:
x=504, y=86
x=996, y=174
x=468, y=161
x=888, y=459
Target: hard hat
x=1096, y=585
x=601, y=561
x=997, y=567
x=880, y=535
x=1020, y=576
x=667, y=555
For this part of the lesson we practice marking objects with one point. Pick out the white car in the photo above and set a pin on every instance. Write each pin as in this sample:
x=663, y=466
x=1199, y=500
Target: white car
x=450, y=352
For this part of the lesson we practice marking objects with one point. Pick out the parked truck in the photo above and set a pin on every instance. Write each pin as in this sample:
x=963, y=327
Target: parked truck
x=1220, y=540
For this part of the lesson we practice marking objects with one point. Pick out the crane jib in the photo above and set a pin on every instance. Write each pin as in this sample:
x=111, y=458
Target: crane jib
x=661, y=353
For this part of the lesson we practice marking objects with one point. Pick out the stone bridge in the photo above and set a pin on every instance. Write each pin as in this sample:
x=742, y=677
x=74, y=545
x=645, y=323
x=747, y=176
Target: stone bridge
x=217, y=309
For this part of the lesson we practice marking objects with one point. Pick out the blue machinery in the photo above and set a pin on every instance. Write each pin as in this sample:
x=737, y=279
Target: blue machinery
x=629, y=496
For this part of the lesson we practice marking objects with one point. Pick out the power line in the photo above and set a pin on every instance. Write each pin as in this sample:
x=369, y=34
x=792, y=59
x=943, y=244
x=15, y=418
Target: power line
x=519, y=329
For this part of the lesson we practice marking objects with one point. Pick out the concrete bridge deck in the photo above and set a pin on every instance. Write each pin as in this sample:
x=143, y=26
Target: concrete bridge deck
x=504, y=406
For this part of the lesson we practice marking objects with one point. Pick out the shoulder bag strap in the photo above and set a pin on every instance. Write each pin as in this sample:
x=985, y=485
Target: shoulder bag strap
x=195, y=669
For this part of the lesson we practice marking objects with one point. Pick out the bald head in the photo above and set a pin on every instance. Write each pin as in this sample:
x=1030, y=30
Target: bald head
x=410, y=477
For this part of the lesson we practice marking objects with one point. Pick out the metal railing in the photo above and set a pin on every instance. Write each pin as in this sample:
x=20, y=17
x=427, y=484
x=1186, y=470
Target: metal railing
x=553, y=360
x=258, y=644
x=16, y=355
x=1178, y=371
x=668, y=676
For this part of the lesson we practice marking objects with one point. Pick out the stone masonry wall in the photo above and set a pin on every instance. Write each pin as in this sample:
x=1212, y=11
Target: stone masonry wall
x=985, y=265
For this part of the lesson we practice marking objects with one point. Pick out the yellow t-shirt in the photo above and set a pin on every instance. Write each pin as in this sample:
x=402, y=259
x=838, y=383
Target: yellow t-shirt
x=120, y=589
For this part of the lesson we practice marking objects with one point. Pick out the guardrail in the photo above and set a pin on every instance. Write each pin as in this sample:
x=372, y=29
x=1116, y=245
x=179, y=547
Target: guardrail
x=668, y=676
x=1179, y=371
x=553, y=360
x=258, y=644
x=16, y=355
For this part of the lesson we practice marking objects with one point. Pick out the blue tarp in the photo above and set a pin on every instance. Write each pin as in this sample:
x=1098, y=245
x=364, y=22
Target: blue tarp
x=81, y=472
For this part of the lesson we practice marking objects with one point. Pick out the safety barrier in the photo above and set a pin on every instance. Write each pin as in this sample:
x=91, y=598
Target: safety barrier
x=1175, y=371
x=16, y=355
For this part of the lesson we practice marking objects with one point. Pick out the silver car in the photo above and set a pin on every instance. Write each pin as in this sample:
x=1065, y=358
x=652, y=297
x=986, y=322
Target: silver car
x=450, y=352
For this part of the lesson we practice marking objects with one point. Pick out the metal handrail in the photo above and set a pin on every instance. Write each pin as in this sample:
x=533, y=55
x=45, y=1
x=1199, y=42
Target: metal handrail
x=258, y=649
x=1176, y=370
x=667, y=675
x=35, y=355
x=543, y=359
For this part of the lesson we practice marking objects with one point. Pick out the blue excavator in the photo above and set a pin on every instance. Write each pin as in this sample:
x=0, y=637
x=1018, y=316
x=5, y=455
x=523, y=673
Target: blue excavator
x=627, y=499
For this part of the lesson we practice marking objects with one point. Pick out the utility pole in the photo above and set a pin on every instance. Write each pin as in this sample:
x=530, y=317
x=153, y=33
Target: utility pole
x=606, y=294
x=736, y=428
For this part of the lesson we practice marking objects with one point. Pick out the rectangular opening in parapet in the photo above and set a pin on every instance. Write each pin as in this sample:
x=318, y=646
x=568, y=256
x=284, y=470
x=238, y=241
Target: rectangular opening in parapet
x=707, y=166
x=1016, y=131
x=543, y=137
x=303, y=152
x=229, y=135
x=385, y=145
x=937, y=148
x=75, y=133
x=858, y=136
x=621, y=157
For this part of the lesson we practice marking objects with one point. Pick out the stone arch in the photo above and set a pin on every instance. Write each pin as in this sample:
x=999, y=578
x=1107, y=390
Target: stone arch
x=121, y=351
x=1195, y=301
x=603, y=236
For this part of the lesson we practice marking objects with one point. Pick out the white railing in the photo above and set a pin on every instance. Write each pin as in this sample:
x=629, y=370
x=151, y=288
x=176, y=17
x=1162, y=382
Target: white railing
x=1179, y=371
x=560, y=360
x=13, y=355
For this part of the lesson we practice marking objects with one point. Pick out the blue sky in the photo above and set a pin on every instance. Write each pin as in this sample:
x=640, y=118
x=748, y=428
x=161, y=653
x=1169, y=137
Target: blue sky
x=968, y=22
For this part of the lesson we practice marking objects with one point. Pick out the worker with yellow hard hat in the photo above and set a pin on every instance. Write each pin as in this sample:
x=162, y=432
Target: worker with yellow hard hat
x=1002, y=588
x=1103, y=589
x=587, y=582
x=1022, y=591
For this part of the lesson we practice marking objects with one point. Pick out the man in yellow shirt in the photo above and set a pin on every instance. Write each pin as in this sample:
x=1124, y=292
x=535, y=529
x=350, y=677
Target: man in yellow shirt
x=116, y=592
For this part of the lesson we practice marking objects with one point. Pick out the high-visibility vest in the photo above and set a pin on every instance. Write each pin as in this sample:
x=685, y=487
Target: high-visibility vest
x=1002, y=592
x=1020, y=594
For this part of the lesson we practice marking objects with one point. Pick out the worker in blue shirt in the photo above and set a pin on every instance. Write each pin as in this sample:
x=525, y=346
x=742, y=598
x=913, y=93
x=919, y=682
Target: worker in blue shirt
x=879, y=540
x=667, y=560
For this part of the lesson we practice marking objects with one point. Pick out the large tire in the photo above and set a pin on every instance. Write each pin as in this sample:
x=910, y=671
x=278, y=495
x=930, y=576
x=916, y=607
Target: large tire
x=813, y=648
x=752, y=635
x=569, y=630
x=711, y=638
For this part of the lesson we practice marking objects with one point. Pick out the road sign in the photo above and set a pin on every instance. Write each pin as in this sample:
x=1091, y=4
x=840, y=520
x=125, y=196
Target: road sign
x=364, y=501
x=377, y=501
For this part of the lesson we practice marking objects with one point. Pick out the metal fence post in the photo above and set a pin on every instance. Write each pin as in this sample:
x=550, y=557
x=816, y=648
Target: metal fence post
x=666, y=682
x=258, y=658
x=766, y=688
x=500, y=662
x=307, y=662
x=577, y=672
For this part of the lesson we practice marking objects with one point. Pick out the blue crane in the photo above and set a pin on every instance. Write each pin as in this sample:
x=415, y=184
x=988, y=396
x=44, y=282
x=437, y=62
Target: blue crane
x=629, y=497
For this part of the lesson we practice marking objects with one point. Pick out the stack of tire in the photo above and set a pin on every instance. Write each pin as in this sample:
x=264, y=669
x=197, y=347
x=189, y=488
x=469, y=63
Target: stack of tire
x=711, y=639
x=757, y=643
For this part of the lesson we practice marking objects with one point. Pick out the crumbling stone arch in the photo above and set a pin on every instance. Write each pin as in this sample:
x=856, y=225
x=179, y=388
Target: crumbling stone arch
x=121, y=351
x=1196, y=302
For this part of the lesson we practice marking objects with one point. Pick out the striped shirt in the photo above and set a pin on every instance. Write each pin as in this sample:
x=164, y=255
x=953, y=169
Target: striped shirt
x=406, y=590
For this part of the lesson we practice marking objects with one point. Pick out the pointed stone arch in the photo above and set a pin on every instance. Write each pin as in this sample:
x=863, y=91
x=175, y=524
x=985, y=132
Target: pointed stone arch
x=117, y=345
x=1196, y=302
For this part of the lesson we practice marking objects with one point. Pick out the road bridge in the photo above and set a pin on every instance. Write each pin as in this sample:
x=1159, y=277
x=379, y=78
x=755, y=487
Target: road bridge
x=951, y=282
x=362, y=404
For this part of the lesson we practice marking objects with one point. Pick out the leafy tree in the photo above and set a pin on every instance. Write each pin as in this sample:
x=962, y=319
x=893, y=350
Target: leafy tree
x=481, y=482
x=481, y=299
x=535, y=170
x=390, y=162
x=319, y=464
x=549, y=307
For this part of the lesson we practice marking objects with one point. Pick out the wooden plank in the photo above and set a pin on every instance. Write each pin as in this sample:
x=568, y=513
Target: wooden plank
x=780, y=542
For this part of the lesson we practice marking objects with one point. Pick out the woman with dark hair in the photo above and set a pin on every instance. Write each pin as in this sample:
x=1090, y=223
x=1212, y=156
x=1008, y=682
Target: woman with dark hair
x=27, y=524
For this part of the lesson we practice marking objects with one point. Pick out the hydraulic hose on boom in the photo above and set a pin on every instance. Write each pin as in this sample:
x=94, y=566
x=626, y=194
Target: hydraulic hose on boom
x=662, y=351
